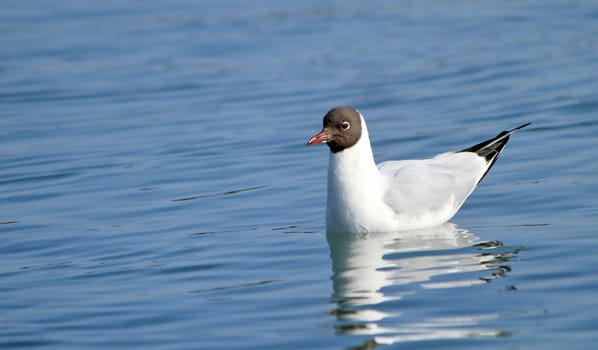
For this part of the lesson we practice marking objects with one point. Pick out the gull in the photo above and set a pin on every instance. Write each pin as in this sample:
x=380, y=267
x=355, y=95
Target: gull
x=363, y=197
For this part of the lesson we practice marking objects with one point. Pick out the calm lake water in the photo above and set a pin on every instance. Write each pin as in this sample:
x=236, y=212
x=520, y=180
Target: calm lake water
x=156, y=191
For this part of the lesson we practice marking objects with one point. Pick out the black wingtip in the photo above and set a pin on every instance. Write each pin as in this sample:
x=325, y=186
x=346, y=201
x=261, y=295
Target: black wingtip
x=491, y=149
x=520, y=127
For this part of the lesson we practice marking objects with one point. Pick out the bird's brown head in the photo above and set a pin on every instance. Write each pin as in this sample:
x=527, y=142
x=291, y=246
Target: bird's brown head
x=341, y=129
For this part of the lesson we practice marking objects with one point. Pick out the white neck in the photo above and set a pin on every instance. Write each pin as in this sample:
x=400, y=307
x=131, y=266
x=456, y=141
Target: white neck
x=354, y=187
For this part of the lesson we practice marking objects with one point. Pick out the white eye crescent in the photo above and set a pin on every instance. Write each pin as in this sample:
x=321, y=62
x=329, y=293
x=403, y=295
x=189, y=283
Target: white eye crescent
x=345, y=126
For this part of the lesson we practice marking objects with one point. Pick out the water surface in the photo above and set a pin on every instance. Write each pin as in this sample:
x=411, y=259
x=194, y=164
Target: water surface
x=156, y=191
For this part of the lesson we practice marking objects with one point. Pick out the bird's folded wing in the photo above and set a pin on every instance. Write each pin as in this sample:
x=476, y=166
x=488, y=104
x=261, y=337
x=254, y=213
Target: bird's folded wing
x=421, y=187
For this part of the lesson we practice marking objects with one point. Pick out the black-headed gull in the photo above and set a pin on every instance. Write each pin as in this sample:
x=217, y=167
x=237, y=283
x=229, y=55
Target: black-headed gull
x=395, y=195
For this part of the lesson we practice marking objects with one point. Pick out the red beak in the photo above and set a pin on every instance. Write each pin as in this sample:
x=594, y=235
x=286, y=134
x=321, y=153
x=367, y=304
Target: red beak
x=322, y=136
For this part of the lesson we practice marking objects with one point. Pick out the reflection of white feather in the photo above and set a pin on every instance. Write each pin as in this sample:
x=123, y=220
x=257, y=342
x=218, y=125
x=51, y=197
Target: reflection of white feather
x=364, y=264
x=361, y=266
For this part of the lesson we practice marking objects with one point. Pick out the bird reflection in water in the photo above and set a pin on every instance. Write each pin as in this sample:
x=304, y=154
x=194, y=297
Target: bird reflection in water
x=371, y=271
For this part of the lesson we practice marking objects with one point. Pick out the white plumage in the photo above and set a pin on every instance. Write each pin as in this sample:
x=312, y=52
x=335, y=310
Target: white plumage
x=396, y=195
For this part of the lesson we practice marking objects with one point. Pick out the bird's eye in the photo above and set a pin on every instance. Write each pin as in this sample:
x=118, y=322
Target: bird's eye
x=345, y=126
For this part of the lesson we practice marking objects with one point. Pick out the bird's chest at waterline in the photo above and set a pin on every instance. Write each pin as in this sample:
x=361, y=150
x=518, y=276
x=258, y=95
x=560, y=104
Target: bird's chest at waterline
x=355, y=195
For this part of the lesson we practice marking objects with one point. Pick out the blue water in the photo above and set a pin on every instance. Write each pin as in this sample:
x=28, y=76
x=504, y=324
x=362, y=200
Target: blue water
x=156, y=191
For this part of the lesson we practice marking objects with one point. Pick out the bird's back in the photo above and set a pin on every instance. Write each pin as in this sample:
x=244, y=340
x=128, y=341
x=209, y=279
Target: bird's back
x=431, y=190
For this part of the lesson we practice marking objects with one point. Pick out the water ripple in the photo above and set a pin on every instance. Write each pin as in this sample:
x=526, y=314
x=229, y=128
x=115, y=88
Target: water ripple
x=374, y=274
x=225, y=193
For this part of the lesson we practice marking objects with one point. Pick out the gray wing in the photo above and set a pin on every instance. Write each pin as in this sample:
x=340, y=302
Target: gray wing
x=420, y=187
